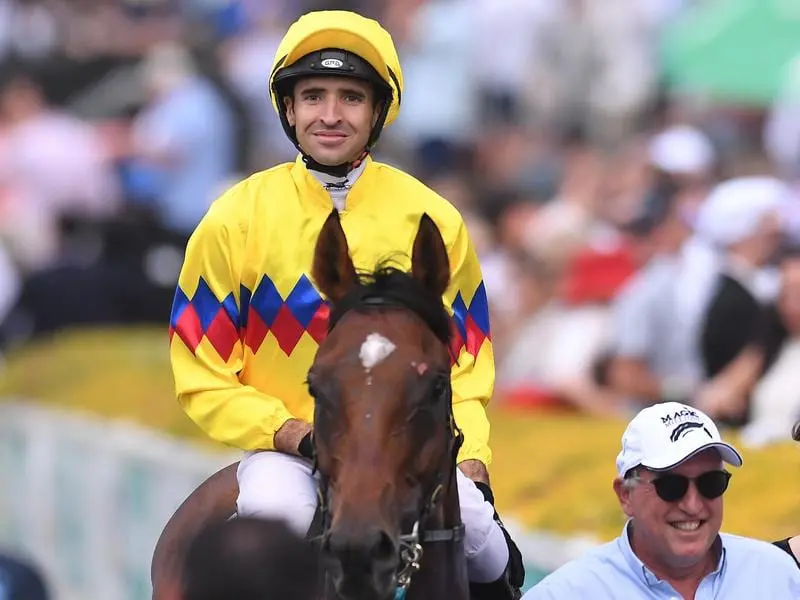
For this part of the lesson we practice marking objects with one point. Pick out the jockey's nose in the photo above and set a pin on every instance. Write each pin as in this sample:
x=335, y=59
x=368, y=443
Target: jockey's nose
x=372, y=549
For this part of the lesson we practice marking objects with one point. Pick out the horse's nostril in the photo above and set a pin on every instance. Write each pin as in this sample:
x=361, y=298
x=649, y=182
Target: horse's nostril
x=336, y=543
x=384, y=548
x=375, y=545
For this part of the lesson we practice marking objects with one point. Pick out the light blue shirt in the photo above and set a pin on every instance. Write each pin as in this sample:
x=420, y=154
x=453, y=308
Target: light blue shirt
x=648, y=325
x=195, y=127
x=748, y=570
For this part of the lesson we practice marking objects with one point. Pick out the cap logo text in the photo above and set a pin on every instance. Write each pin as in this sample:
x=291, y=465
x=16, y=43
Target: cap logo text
x=678, y=416
x=332, y=63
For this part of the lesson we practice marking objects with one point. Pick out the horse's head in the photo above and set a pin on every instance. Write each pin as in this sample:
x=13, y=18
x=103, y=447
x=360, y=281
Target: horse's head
x=383, y=429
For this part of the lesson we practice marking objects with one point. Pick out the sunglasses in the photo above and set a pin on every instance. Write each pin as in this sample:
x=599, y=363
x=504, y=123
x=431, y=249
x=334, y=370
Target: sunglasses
x=710, y=485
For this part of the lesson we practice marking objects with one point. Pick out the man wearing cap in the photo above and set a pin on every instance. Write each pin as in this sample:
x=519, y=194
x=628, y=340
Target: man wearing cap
x=670, y=483
x=247, y=319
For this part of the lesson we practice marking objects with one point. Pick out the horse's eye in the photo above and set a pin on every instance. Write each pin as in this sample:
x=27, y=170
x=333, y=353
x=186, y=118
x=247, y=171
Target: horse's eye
x=441, y=389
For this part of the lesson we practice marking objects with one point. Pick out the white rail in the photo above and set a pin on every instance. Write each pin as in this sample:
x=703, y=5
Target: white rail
x=87, y=499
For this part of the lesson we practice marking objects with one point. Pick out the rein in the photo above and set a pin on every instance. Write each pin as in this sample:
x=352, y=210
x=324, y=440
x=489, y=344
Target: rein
x=411, y=543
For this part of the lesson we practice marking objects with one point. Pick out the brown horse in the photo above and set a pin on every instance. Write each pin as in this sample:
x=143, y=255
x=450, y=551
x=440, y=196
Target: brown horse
x=384, y=435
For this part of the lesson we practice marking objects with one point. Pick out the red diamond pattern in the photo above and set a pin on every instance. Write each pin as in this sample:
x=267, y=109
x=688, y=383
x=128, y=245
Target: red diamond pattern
x=286, y=329
x=256, y=331
x=318, y=327
x=475, y=336
x=222, y=334
x=456, y=343
x=189, y=328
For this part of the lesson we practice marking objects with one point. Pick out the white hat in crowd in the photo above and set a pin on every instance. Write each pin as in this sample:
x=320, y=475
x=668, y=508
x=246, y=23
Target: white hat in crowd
x=665, y=435
x=682, y=150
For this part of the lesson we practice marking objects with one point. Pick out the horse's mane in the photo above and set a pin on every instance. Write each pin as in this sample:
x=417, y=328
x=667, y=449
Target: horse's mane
x=393, y=288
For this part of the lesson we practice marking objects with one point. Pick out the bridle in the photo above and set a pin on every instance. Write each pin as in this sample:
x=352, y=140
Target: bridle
x=411, y=543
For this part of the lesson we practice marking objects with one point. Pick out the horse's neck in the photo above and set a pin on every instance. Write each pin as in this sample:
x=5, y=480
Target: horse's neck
x=443, y=568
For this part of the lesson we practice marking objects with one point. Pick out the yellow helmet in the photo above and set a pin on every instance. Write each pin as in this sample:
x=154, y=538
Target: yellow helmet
x=338, y=43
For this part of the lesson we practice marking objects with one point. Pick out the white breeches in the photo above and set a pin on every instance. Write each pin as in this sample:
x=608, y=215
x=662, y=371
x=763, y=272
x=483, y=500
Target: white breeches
x=276, y=485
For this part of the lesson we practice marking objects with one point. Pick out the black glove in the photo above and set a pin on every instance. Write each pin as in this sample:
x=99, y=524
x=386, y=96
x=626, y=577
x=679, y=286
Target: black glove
x=516, y=566
x=486, y=491
x=306, y=447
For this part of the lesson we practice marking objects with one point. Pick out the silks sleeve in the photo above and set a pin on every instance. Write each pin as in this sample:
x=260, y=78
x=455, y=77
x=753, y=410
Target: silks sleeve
x=206, y=350
x=473, y=373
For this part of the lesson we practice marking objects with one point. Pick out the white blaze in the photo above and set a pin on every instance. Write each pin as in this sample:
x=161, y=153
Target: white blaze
x=374, y=350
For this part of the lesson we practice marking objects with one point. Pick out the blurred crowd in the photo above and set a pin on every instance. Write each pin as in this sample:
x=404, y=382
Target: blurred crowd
x=637, y=244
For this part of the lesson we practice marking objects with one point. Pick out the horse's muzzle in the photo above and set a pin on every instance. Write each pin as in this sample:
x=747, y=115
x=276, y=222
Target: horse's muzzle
x=364, y=564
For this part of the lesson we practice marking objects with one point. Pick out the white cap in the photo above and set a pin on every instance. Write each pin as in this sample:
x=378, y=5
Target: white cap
x=734, y=209
x=664, y=435
x=682, y=150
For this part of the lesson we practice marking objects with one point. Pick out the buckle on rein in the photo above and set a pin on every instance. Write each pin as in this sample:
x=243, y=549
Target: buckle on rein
x=410, y=555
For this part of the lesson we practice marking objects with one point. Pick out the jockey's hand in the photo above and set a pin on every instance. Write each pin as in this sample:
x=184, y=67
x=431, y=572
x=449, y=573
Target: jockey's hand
x=475, y=470
x=289, y=436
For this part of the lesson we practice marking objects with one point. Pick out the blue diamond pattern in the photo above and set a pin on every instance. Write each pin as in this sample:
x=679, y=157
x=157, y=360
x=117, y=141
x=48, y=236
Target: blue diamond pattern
x=304, y=301
x=479, y=309
x=179, y=304
x=205, y=304
x=266, y=301
x=460, y=315
x=229, y=304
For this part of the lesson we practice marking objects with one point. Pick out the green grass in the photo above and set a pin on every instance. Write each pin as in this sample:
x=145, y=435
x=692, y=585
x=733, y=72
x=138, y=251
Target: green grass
x=550, y=471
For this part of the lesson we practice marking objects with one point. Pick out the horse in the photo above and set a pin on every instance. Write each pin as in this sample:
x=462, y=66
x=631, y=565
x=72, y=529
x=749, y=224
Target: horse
x=385, y=441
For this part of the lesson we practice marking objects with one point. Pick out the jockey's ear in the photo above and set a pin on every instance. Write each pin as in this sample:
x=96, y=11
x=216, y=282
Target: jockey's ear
x=333, y=269
x=288, y=103
x=429, y=262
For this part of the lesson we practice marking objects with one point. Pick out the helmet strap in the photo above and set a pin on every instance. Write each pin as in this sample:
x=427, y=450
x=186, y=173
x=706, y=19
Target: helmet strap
x=340, y=170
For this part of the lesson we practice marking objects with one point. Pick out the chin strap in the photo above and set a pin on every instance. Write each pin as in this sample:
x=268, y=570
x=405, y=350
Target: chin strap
x=340, y=170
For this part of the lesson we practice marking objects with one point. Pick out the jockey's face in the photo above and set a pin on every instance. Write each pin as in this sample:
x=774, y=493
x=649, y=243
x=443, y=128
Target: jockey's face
x=333, y=117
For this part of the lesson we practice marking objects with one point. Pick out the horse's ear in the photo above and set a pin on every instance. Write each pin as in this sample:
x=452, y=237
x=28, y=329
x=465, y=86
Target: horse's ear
x=333, y=269
x=429, y=262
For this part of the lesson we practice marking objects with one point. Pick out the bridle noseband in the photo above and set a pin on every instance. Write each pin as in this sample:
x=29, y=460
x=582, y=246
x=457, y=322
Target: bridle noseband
x=411, y=543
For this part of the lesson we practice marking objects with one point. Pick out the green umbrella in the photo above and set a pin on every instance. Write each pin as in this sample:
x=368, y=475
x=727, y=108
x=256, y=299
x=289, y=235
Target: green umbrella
x=734, y=50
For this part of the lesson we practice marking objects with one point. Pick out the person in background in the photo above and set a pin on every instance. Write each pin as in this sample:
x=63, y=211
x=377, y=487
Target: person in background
x=684, y=155
x=249, y=558
x=775, y=402
x=52, y=165
x=670, y=484
x=182, y=146
x=21, y=580
x=651, y=354
x=742, y=222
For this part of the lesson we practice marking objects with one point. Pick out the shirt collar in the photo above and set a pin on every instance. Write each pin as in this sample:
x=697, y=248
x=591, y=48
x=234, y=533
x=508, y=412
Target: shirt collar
x=643, y=573
x=312, y=190
x=331, y=182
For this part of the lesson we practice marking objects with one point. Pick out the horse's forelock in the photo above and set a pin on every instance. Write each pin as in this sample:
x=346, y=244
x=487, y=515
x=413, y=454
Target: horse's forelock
x=392, y=287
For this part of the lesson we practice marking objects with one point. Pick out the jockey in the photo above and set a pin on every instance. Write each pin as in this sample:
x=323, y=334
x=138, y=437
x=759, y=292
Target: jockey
x=246, y=320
